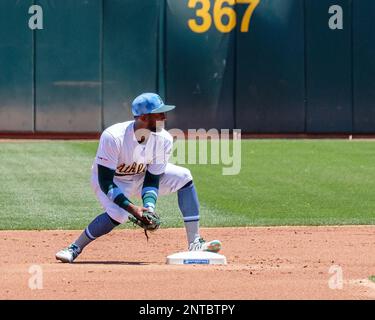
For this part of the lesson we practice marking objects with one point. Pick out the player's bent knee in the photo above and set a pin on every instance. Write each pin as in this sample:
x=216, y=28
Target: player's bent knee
x=186, y=175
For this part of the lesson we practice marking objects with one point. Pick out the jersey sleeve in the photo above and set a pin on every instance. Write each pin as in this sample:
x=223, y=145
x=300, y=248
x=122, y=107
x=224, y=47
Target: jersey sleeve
x=161, y=156
x=108, y=151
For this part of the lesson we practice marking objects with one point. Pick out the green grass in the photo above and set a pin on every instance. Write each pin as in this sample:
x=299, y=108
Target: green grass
x=46, y=185
x=371, y=278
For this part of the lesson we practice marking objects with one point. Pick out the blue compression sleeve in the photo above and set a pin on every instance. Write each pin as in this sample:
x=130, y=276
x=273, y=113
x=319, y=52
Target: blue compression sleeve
x=113, y=192
x=150, y=190
x=100, y=226
x=188, y=202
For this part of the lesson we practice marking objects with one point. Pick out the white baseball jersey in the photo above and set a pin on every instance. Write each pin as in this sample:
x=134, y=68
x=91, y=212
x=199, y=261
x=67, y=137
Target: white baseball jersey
x=119, y=150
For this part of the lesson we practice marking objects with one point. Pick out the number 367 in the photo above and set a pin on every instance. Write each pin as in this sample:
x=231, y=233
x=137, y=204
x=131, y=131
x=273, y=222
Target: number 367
x=219, y=12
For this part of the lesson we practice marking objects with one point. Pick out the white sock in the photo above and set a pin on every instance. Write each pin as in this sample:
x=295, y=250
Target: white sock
x=192, y=230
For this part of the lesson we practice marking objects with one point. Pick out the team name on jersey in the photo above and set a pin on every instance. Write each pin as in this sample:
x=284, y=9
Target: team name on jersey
x=130, y=169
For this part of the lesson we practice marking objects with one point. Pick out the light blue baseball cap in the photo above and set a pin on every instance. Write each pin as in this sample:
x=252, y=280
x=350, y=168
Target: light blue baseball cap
x=149, y=103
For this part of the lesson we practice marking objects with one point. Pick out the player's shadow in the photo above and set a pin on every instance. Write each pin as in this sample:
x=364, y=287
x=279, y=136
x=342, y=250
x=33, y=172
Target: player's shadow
x=129, y=263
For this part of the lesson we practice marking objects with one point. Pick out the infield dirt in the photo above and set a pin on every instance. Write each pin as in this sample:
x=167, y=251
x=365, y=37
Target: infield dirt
x=263, y=263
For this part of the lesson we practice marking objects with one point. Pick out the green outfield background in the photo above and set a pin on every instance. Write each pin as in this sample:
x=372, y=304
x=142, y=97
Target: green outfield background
x=46, y=185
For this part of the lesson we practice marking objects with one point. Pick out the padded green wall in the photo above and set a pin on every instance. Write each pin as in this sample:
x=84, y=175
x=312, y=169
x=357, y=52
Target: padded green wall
x=68, y=79
x=199, y=72
x=289, y=73
x=270, y=69
x=130, y=55
x=364, y=66
x=328, y=69
x=16, y=67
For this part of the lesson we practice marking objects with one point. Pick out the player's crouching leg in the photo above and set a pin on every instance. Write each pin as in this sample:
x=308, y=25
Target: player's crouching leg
x=180, y=179
x=189, y=206
x=100, y=226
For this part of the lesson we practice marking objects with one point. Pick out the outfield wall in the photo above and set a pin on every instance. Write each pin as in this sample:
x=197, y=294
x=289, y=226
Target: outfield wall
x=267, y=66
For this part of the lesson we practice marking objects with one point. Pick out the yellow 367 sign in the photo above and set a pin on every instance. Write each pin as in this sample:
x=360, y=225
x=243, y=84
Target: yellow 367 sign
x=220, y=11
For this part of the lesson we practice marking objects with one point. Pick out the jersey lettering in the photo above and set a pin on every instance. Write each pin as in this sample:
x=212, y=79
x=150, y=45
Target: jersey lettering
x=130, y=169
x=141, y=168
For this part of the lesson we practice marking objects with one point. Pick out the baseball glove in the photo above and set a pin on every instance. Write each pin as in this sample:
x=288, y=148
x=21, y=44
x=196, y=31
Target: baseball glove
x=150, y=221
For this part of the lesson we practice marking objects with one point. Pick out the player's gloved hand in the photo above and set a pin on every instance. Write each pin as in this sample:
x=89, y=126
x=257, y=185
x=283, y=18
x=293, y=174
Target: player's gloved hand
x=153, y=218
x=146, y=218
x=137, y=212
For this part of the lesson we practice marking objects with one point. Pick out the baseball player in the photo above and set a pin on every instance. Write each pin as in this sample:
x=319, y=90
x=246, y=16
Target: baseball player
x=132, y=161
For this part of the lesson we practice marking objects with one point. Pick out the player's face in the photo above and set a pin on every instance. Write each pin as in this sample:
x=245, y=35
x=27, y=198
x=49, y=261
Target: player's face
x=155, y=121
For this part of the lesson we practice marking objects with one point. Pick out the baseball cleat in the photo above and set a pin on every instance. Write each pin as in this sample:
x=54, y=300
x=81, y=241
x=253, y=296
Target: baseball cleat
x=68, y=255
x=200, y=244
